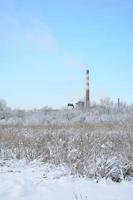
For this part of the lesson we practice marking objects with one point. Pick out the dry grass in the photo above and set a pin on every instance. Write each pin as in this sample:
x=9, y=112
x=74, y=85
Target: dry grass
x=92, y=150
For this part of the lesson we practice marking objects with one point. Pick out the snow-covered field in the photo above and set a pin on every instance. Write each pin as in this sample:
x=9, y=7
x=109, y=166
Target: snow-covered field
x=32, y=181
x=66, y=155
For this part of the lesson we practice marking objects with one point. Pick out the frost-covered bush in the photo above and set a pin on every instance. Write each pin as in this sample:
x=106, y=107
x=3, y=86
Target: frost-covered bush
x=89, y=150
x=105, y=112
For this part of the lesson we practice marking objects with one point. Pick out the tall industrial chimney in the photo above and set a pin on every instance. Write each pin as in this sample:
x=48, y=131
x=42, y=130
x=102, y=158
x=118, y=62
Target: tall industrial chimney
x=87, y=97
x=118, y=104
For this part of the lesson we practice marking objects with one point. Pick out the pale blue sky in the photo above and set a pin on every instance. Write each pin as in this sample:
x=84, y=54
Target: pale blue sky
x=46, y=45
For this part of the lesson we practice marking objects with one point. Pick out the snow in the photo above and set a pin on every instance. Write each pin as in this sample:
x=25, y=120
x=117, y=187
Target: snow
x=32, y=181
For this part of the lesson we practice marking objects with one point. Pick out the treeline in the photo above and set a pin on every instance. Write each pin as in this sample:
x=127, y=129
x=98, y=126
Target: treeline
x=105, y=111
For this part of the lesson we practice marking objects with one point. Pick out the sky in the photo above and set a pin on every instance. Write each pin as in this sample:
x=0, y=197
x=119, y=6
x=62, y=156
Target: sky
x=46, y=46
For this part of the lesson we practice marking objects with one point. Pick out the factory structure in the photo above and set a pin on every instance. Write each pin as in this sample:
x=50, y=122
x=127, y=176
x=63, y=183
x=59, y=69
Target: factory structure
x=85, y=104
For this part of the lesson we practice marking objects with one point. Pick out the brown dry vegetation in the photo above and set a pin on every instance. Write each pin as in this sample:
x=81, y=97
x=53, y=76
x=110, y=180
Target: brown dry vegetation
x=92, y=150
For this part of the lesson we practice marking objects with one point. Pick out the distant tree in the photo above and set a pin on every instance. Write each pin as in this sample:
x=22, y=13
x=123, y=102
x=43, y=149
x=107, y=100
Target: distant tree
x=20, y=114
x=5, y=111
x=107, y=104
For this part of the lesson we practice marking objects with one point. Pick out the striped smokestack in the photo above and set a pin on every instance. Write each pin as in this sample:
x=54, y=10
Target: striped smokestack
x=87, y=97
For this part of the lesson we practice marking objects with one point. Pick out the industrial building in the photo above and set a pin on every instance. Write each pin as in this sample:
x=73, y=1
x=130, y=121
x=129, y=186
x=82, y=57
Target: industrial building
x=85, y=104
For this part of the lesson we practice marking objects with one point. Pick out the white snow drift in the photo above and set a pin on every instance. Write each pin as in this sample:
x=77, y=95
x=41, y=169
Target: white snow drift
x=21, y=181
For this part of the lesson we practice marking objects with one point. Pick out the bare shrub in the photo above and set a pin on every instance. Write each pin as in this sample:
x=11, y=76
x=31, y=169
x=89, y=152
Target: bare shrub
x=94, y=151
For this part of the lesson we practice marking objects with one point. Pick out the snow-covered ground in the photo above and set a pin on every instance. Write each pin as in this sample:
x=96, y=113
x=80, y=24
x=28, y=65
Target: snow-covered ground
x=32, y=181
